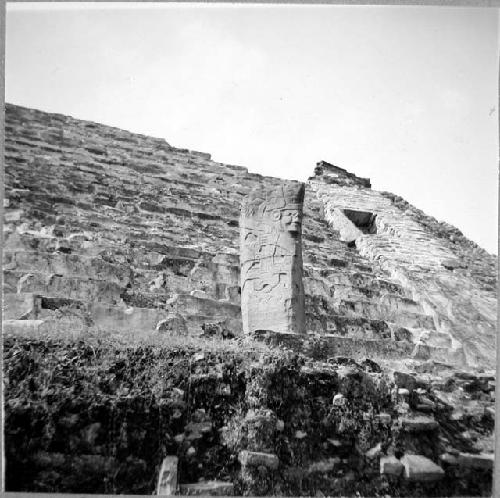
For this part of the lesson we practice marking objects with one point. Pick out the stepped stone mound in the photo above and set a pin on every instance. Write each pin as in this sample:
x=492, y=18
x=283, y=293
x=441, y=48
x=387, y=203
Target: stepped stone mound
x=112, y=238
x=124, y=228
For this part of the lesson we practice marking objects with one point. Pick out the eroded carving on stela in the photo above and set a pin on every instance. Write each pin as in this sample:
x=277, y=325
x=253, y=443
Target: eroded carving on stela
x=272, y=291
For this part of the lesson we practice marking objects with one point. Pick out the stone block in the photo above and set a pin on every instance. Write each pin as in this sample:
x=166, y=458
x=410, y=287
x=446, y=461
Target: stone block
x=419, y=424
x=323, y=466
x=167, y=479
x=448, y=459
x=421, y=469
x=374, y=452
x=261, y=426
x=384, y=418
x=421, y=351
x=405, y=380
x=476, y=461
x=210, y=488
x=20, y=306
x=21, y=327
x=173, y=324
x=347, y=229
x=436, y=339
x=125, y=318
x=255, y=459
x=339, y=400
x=390, y=465
x=402, y=334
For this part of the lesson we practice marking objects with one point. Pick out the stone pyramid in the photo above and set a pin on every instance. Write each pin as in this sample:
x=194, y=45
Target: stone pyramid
x=136, y=234
x=390, y=391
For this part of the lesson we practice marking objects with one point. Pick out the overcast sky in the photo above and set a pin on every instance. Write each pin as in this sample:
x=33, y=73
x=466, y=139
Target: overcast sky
x=406, y=96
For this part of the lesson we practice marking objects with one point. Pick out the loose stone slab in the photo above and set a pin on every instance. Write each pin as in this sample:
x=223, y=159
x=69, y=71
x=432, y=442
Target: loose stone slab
x=420, y=468
x=255, y=459
x=167, y=479
x=211, y=488
x=272, y=291
x=390, y=465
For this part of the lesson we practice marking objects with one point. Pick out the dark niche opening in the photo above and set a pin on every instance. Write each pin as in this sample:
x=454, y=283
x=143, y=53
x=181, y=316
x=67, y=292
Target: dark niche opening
x=363, y=220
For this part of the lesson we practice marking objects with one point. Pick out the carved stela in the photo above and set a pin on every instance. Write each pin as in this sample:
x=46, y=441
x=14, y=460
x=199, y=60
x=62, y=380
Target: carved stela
x=272, y=292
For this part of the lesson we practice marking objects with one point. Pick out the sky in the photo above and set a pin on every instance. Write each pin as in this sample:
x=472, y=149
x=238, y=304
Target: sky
x=404, y=95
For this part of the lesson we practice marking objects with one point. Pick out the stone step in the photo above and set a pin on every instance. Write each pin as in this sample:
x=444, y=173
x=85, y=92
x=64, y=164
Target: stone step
x=342, y=325
x=425, y=352
x=199, y=306
x=328, y=346
x=343, y=277
x=78, y=240
x=189, y=313
x=390, y=311
x=126, y=319
x=69, y=265
x=157, y=254
x=53, y=285
x=174, y=273
x=82, y=243
x=433, y=338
